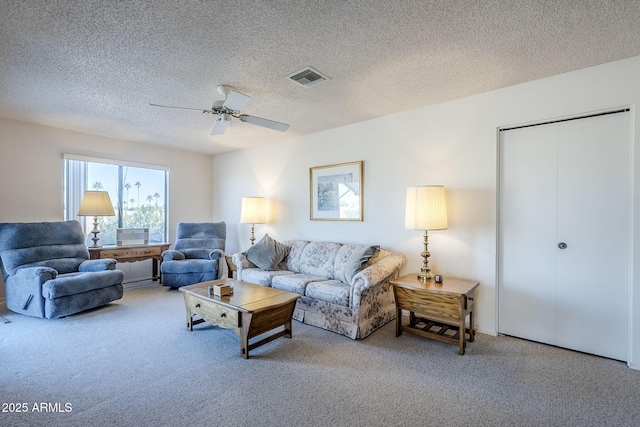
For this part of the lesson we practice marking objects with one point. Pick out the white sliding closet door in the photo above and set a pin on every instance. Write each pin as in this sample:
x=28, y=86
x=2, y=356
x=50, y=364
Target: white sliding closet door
x=528, y=222
x=564, y=234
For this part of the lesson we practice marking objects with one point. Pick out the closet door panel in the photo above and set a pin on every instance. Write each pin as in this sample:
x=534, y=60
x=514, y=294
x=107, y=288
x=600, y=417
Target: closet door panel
x=593, y=220
x=528, y=220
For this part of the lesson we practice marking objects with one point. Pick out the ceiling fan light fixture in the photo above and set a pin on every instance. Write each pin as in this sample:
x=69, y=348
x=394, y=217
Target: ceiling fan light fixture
x=235, y=100
x=308, y=77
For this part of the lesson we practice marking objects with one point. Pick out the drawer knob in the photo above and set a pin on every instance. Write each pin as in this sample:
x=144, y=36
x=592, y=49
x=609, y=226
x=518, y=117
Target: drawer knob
x=223, y=315
x=197, y=305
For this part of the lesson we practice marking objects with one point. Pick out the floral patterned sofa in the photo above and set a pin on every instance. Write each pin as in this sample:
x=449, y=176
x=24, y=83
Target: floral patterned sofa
x=344, y=287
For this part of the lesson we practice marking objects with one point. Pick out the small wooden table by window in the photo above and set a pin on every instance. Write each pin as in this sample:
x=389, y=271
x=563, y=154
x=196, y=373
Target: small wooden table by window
x=133, y=253
x=436, y=310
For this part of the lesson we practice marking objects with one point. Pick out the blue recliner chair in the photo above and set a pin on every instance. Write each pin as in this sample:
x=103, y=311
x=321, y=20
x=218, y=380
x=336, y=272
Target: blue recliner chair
x=47, y=271
x=198, y=255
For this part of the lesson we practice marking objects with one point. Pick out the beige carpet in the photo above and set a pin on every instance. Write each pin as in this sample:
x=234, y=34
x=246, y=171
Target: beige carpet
x=133, y=363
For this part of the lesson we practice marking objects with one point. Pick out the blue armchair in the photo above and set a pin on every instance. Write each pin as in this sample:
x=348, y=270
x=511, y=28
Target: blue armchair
x=47, y=271
x=198, y=255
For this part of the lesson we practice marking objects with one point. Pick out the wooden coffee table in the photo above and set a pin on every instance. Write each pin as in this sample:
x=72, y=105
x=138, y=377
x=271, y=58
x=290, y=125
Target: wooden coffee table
x=251, y=310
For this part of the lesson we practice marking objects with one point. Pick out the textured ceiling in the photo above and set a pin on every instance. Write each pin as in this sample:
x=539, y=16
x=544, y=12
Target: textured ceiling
x=95, y=65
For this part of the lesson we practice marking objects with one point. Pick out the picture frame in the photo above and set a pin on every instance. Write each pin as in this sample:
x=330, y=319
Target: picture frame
x=336, y=192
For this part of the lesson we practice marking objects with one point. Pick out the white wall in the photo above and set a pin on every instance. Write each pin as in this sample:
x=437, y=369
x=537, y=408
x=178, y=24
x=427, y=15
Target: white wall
x=31, y=177
x=454, y=144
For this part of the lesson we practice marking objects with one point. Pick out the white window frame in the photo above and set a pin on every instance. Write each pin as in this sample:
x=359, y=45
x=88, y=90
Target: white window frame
x=77, y=175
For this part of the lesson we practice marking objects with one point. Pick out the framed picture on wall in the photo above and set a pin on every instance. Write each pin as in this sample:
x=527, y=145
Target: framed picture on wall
x=335, y=192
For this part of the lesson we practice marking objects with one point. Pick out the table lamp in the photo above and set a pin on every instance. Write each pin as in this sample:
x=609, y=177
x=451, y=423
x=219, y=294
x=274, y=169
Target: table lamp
x=426, y=210
x=96, y=203
x=253, y=212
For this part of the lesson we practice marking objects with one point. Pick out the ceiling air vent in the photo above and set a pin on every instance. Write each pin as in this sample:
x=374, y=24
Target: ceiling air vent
x=308, y=77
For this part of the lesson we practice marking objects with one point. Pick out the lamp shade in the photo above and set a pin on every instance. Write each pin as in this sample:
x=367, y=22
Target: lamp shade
x=253, y=210
x=96, y=203
x=426, y=208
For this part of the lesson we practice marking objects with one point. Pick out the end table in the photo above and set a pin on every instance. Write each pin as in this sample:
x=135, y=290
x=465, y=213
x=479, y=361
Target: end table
x=436, y=310
x=231, y=267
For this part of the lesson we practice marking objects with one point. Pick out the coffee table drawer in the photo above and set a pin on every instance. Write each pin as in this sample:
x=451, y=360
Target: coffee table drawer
x=212, y=313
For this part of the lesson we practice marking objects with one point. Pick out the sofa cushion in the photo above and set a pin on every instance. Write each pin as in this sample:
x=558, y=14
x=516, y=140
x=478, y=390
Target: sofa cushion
x=61, y=265
x=351, y=259
x=189, y=266
x=292, y=260
x=331, y=291
x=197, y=253
x=318, y=259
x=33, y=234
x=266, y=254
x=295, y=282
x=63, y=258
x=200, y=235
x=77, y=283
x=261, y=277
x=59, y=245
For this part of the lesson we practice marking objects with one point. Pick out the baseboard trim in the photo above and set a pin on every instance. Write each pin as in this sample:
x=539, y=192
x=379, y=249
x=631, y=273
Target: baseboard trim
x=491, y=332
x=140, y=283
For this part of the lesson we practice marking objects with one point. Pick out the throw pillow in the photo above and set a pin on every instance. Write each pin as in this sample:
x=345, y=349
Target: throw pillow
x=357, y=259
x=266, y=254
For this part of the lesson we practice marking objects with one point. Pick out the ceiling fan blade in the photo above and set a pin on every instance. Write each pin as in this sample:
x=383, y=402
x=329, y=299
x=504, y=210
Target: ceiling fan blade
x=236, y=100
x=282, y=127
x=180, y=108
x=220, y=125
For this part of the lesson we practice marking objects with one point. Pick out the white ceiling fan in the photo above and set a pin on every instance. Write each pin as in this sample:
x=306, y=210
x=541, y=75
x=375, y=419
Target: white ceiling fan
x=230, y=107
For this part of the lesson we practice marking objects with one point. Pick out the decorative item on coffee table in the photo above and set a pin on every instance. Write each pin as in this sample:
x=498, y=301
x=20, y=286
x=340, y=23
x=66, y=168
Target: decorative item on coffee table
x=220, y=290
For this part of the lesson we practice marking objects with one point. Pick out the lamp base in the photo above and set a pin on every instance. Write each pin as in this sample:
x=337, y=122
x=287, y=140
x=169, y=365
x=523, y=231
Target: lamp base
x=253, y=237
x=424, y=277
x=95, y=242
x=95, y=232
x=425, y=270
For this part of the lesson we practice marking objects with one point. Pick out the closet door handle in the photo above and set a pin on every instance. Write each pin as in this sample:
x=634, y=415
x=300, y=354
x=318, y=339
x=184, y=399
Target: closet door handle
x=562, y=245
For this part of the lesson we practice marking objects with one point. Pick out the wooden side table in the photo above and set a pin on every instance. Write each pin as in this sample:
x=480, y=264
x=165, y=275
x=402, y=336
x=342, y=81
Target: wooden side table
x=231, y=267
x=436, y=310
x=133, y=253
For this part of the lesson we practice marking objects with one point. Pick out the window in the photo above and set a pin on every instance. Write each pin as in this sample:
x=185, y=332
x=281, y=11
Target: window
x=138, y=194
